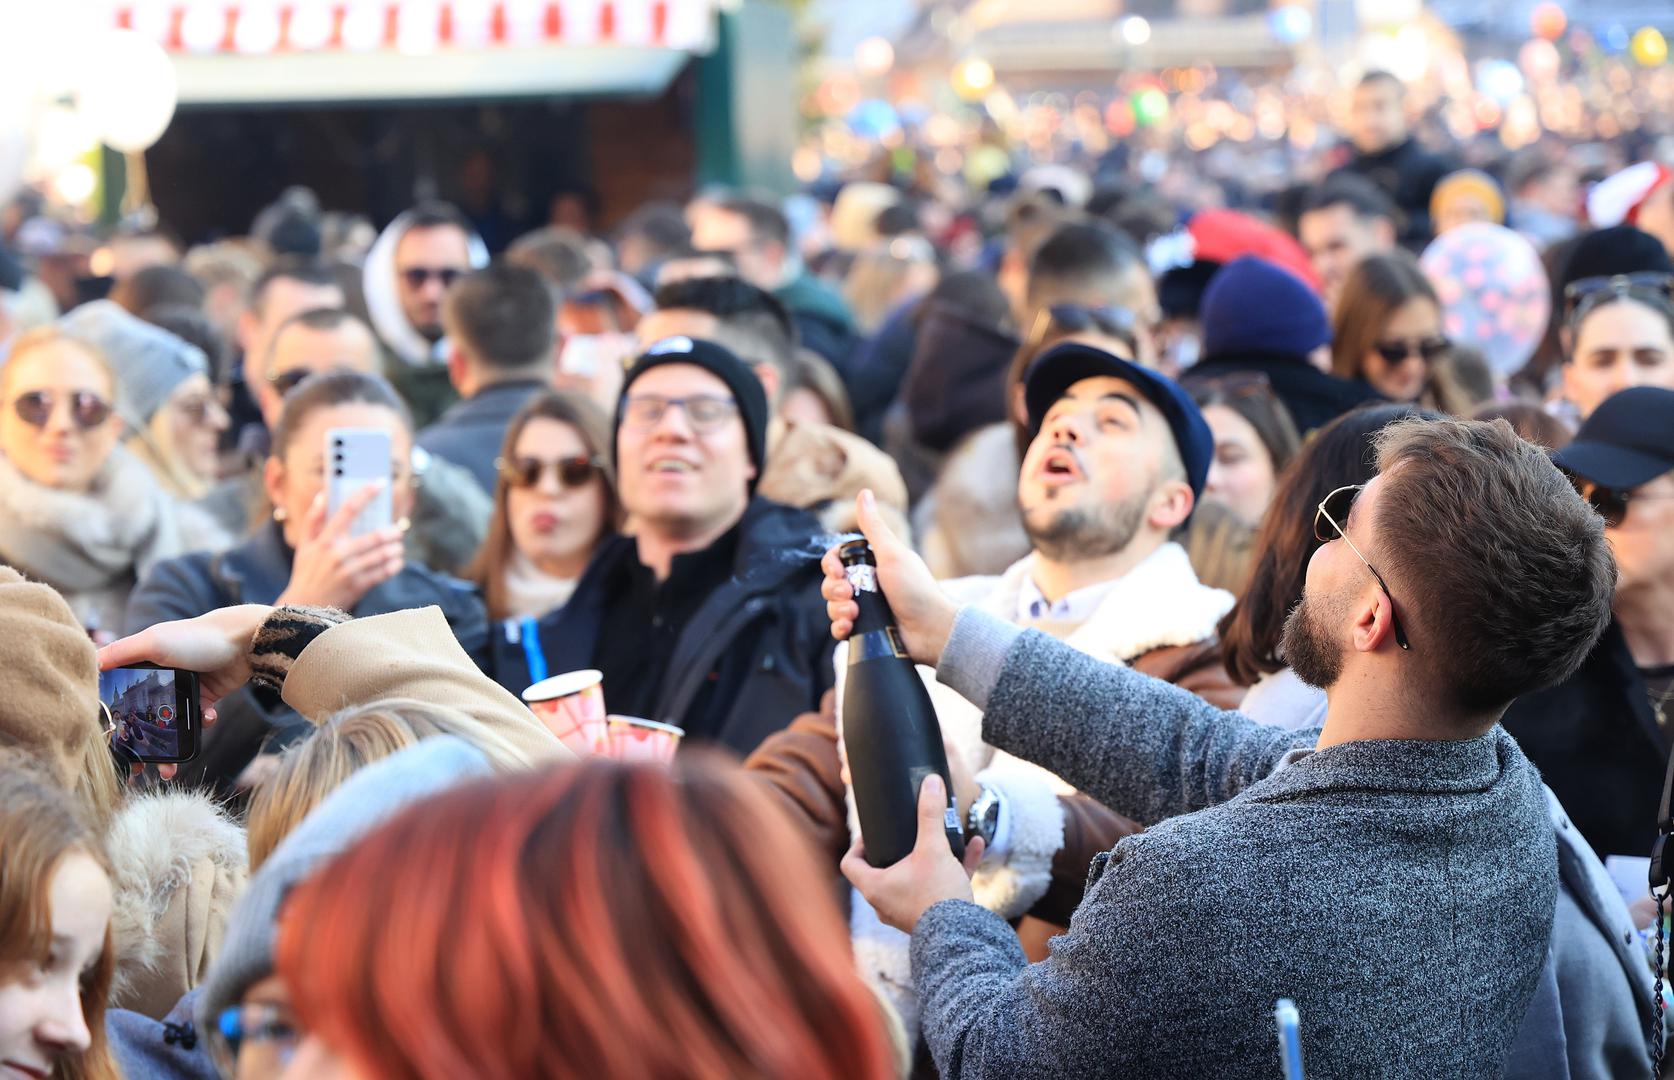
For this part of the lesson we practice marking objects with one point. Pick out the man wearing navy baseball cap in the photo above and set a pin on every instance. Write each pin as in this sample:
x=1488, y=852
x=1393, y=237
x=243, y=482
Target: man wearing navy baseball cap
x=1601, y=737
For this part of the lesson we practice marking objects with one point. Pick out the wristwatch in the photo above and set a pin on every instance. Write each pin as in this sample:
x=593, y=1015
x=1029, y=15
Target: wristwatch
x=984, y=817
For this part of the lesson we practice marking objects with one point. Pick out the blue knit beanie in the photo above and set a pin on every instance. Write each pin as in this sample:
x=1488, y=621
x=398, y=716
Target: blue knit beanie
x=1253, y=307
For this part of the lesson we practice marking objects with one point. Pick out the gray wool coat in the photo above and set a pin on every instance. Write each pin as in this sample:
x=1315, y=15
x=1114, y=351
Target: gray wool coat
x=1401, y=892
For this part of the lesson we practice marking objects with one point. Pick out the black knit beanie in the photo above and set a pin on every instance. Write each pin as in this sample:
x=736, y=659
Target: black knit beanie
x=720, y=362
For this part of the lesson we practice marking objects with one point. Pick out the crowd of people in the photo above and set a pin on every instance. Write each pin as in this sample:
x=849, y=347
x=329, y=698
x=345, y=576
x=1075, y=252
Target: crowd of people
x=1294, y=588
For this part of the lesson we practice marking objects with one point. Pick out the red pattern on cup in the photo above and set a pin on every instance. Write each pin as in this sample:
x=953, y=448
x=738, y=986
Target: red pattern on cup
x=634, y=739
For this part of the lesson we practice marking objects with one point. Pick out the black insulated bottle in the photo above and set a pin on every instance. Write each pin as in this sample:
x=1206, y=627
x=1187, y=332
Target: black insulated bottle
x=889, y=726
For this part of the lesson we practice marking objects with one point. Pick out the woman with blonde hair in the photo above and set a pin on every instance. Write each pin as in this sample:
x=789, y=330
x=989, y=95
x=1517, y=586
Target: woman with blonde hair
x=346, y=743
x=56, y=957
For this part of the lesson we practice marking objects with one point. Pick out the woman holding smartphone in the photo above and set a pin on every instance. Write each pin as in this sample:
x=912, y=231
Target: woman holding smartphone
x=308, y=557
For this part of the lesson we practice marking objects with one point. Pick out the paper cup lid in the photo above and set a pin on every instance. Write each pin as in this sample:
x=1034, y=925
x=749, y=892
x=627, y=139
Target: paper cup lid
x=571, y=682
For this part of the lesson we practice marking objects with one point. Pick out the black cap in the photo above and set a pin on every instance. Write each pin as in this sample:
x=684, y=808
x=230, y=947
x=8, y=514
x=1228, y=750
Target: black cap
x=720, y=362
x=1627, y=441
x=1062, y=366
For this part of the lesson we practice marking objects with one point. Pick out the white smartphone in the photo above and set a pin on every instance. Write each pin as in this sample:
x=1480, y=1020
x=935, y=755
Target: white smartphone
x=356, y=457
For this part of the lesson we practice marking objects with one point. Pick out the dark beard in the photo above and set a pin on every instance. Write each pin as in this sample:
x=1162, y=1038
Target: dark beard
x=1079, y=534
x=1309, y=650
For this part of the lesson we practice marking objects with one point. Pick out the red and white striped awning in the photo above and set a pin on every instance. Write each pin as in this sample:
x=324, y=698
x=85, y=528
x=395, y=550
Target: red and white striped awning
x=265, y=27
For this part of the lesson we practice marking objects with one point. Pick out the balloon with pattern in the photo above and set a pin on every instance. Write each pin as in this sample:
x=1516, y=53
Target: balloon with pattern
x=1493, y=291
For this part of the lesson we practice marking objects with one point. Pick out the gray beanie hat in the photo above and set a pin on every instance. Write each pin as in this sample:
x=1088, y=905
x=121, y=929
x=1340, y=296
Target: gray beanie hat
x=148, y=361
x=362, y=803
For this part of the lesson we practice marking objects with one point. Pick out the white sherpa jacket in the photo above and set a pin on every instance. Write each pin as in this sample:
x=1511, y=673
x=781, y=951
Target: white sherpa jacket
x=179, y=862
x=1158, y=604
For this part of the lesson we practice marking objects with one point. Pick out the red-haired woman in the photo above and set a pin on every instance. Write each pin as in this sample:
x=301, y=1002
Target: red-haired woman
x=590, y=921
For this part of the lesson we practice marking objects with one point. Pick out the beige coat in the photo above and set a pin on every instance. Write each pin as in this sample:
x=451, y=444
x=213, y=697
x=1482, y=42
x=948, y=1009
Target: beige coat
x=819, y=468
x=410, y=654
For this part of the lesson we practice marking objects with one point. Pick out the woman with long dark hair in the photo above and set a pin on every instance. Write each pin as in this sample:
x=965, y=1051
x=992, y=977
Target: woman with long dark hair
x=1388, y=334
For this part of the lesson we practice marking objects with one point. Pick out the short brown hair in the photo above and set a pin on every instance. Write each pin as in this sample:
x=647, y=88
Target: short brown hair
x=502, y=316
x=1502, y=568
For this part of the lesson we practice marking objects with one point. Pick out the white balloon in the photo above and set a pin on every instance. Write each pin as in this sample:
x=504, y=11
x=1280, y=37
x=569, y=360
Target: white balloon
x=129, y=90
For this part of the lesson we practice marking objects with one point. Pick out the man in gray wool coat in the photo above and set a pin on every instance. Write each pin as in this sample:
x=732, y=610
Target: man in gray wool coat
x=1393, y=872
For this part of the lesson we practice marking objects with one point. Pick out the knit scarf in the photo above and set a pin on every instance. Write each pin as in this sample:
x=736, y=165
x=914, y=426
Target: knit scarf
x=91, y=546
x=531, y=593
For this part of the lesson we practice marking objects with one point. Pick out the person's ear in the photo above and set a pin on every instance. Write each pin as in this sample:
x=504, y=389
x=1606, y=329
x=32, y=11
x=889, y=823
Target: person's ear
x=770, y=382
x=1171, y=505
x=458, y=370
x=1374, y=621
x=273, y=481
x=1384, y=230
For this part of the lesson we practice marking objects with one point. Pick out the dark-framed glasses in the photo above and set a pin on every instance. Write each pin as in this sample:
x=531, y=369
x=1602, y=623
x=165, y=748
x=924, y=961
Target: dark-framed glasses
x=1429, y=350
x=706, y=412
x=286, y=381
x=416, y=276
x=1612, y=503
x=1330, y=524
x=1114, y=322
x=526, y=472
x=87, y=409
x=1581, y=297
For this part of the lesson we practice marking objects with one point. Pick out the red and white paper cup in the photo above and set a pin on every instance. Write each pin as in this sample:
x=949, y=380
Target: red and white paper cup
x=572, y=706
x=634, y=739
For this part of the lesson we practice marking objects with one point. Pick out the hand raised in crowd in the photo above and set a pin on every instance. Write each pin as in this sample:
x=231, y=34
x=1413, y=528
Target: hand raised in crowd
x=334, y=568
x=922, y=611
x=902, y=893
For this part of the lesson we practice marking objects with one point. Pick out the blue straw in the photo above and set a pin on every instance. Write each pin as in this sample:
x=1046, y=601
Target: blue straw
x=1290, y=1038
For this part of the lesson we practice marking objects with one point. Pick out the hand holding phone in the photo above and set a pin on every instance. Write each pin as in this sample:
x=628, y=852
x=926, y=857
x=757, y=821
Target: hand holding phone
x=153, y=713
x=332, y=566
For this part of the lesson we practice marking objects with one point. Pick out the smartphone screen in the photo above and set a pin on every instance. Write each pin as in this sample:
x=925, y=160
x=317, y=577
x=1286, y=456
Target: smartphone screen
x=154, y=712
x=356, y=457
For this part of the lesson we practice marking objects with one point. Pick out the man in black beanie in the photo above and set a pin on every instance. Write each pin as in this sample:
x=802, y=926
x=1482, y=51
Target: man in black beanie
x=709, y=615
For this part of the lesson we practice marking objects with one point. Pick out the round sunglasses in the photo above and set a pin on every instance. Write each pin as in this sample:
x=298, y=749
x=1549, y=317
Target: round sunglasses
x=1428, y=350
x=1611, y=503
x=526, y=472
x=87, y=409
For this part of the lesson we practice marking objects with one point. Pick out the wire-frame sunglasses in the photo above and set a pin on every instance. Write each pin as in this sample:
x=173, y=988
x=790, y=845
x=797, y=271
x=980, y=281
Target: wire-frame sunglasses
x=1329, y=525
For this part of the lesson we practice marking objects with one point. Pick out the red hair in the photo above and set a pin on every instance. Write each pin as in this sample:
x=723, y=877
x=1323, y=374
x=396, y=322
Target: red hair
x=591, y=920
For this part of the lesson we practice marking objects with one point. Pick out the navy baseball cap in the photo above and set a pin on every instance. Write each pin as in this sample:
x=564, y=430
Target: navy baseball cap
x=1627, y=441
x=1062, y=366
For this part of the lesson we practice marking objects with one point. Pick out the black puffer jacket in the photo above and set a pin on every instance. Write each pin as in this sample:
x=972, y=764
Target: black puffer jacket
x=761, y=639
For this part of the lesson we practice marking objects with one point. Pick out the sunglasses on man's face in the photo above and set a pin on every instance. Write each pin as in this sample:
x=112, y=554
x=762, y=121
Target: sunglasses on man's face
x=1331, y=523
x=88, y=410
x=416, y=276
x=1429, y=350
x=526, y=472
x=1612, y=503
x=286, y=381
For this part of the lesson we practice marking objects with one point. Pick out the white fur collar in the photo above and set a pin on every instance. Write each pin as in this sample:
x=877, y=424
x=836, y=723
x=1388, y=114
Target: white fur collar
x=1158, y=604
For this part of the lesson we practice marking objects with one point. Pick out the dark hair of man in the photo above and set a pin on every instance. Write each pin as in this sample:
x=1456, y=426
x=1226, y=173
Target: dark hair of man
x=1364, y=199
x=190, y=324
x=434, y=214
x=661, y=225
x=743, y=310
x=1082, y=256
x=157, y=285
x=767, y=223
x=324, y=320
x=1376, y=76
x=1339, y=454
x=307, y=271
x=326, y=390
x=502, y=317
x=555, y=252
x=1503, y=572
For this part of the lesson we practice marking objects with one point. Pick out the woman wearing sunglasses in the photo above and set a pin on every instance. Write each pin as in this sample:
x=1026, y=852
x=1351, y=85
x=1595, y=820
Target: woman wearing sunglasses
x=1388, y=335
x=82, y=514
x=1618, y=332
x=554, y=502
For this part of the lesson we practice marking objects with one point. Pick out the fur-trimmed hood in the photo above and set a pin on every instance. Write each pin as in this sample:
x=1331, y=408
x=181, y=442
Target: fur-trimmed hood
x=179, y=863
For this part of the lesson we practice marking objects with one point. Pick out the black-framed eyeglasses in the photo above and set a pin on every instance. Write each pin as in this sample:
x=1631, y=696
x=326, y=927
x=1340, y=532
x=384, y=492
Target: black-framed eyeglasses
x=526, y=472
x=286, y=381
x=1429, y=350
x=87, y=409
x=1649, y=286
x=707, y=412
x=1612, y=503
x=416, y=276
x=1329, y=525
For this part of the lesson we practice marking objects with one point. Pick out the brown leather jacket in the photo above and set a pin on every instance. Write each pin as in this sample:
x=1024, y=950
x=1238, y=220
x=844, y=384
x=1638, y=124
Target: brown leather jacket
x=801, y=767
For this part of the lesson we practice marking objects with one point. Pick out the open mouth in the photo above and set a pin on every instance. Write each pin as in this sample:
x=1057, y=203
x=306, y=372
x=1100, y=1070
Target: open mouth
x=1060, y=466
x=675, y=466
